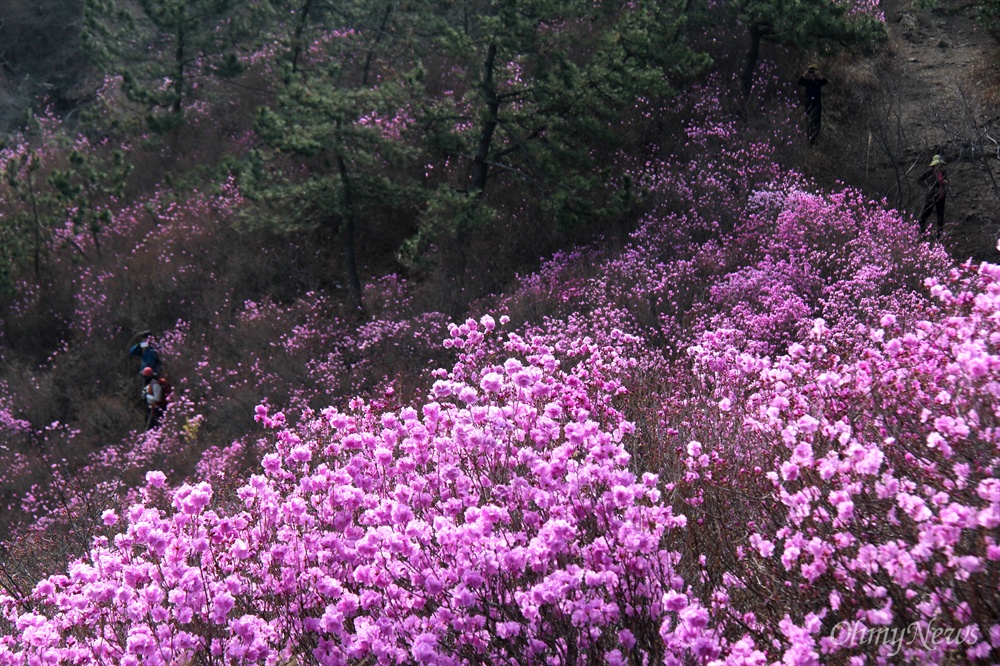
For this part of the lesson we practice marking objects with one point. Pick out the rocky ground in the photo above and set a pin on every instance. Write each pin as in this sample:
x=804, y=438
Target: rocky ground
x=936, y=90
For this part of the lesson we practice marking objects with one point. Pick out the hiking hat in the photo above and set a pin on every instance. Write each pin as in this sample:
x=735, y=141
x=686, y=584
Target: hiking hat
x=813, y=66
x=936, y=160
x=147, y=372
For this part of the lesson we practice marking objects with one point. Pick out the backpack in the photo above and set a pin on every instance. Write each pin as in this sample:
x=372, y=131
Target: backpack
x=167, y=387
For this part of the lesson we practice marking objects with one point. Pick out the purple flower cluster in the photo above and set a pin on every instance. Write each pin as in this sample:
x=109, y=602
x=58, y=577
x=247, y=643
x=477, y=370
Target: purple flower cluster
x=500, y=519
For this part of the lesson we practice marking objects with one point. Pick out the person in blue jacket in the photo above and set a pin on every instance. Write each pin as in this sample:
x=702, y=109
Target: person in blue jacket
x=149, y=358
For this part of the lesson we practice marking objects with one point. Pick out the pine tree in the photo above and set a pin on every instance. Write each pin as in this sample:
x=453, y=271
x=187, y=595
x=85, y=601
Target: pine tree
x=163, y=49
x=528, y=93
x=989, y=10
x=344, y=114
x=540, y=88
x=805, y=24
x=48, y=189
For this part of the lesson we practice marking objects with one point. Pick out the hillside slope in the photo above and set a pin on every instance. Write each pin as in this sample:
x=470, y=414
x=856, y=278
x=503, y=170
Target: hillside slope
x=744, y=438
x=753, y=424
x=935, y=91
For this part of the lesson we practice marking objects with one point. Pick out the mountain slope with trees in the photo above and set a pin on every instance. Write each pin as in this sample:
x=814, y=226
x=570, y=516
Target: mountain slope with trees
x=509, y=332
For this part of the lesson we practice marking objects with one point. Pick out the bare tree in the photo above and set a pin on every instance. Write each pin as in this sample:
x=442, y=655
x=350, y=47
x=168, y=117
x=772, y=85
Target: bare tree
x=889, y=143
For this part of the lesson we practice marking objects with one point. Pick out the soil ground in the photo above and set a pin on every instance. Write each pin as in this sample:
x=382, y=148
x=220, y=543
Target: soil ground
x=936, y=90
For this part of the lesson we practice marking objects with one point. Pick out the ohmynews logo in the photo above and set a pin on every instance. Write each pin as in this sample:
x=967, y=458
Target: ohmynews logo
x=925, y=635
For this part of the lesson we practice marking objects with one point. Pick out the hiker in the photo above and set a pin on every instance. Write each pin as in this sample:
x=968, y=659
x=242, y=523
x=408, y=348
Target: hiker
x=813, y=82
x=149, y=358
x=935, y=183
x=152, y=393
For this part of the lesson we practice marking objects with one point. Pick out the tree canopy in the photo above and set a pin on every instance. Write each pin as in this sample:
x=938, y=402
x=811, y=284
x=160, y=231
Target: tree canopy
x=805, y=24
x=161, y=48
x=527, y=94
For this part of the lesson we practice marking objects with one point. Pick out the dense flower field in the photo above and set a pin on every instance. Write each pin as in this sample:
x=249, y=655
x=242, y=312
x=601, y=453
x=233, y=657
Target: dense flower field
x=764, y=431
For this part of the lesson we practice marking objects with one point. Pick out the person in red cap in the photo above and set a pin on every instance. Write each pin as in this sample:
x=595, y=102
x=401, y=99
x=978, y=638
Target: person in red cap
x=152, y=393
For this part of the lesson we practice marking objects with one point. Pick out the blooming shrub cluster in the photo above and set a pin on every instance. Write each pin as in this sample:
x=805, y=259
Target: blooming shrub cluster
x=865, y=469
x=499, y=521
x=160, y=258
x=854, y=477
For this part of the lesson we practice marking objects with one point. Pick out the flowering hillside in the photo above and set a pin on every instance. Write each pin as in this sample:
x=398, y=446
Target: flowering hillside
x=732, y=416
x=765, y=430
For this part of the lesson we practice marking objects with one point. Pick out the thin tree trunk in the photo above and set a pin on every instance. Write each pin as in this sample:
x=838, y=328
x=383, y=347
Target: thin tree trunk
x=37, y=219
x=179, y=83
x=97, y=243
x=378, y=38
x=38, y=249
x=300, y=29
x=350, y=256
x=753, y=55
x=481, y=166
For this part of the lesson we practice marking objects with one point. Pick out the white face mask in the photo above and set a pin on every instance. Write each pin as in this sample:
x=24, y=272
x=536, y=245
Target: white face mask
x=143, y=344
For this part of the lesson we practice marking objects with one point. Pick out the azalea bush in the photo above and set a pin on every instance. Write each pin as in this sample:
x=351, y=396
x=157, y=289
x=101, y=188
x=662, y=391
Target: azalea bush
x=855, y=479
x=498, y=521
x=846, y=485
x=752, y=515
